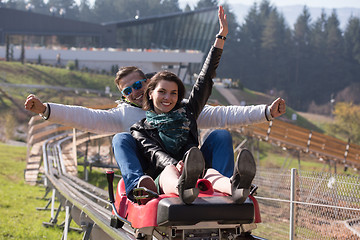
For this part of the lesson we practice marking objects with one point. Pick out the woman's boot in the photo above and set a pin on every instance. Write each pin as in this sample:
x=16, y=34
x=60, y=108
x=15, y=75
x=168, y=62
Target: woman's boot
x=194, y=165
x=244, y=173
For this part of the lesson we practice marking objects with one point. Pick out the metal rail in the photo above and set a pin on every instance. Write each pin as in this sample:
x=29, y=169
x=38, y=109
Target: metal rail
x=87, y=204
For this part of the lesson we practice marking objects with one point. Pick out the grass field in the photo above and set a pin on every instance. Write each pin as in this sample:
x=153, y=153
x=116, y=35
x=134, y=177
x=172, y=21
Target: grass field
x=19, y=217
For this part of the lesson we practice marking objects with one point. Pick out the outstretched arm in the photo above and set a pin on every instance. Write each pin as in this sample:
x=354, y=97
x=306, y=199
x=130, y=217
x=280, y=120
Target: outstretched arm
x=202, y=88
x=110, y=121
x=223, y=31
x=237, y=116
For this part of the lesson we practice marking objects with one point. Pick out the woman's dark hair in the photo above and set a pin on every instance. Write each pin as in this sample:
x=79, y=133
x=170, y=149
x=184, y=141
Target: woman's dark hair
x=167, y=76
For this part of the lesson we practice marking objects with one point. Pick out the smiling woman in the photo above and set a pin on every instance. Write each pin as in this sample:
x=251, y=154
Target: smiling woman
x=164, y=92
x=168, y=138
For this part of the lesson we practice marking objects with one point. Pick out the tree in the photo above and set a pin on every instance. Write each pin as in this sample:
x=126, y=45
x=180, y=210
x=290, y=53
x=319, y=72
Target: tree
x=347, y=121
x=352, y=39
x=39, y=6
x=336, y=70
x=249, y=49
x=65, y=8
x=302, y=57
x=105, y=11
x=318, y=45
x=187, y=8
x=170, y=6
x=352, y=49
x=16, y=4
x=109, y=10
x=85, y=12
x=206, y=4
x=263, y=46
x=230, y=55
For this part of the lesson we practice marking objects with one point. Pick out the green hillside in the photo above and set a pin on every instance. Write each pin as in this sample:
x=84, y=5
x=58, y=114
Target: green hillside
x=12, y=97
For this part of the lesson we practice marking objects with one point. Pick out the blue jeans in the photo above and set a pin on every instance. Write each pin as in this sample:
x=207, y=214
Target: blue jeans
x=217, y=150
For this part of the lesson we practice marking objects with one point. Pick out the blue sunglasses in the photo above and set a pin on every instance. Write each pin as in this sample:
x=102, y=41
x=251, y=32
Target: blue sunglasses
x=137, y=85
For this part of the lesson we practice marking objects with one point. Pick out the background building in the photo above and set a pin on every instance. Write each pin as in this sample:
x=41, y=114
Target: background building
x=175, y=41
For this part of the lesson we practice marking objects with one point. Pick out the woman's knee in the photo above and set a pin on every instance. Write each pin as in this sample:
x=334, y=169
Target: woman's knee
x=169, y=179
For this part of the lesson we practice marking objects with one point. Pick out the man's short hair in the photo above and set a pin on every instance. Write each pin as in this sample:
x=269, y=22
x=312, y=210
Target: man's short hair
x=124, y=71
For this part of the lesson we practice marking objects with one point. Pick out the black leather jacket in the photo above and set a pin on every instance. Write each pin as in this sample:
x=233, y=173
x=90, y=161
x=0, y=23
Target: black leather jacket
x=154, y=155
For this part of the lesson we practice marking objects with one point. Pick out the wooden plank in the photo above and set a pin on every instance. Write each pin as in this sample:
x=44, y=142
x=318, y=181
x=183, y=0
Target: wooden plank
x=41, y=135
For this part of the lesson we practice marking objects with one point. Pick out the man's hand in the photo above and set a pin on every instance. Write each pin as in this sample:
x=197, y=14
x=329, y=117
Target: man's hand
x=278, y=107
x=34, y=104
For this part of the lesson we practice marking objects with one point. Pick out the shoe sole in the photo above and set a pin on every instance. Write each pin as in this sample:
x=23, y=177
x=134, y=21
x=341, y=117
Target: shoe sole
x=193, y=166
x=246, y=167
x=147, y=183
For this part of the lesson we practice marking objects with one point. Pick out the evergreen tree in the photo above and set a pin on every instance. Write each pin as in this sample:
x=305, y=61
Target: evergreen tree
x=105, y=11
x=21, y=4
x=65, y=8
x=170, y=6
x=206, y=4
x=352, y=40
x=230, y=55
x=336, y=70
x=275, y=46
x=302, y=60
x=334, y=37
x=108, y=10
x=249, y=49
x=39, y=6
x=318, y=46
x=187, y=8
x=16, y=4
x=85, y=12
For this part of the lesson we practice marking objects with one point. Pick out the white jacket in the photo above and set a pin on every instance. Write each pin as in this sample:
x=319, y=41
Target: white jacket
x=121, y=118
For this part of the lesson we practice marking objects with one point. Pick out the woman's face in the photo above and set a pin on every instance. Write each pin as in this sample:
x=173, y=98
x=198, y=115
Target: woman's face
x=164, y=96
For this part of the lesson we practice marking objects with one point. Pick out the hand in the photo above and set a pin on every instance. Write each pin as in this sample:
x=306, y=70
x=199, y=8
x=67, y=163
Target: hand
x=278, y=107
x=223, y=22
x=34, y=104
x=180, y=166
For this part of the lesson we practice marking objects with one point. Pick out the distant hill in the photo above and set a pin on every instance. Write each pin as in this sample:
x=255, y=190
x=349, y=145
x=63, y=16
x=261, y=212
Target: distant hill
x=292, y=12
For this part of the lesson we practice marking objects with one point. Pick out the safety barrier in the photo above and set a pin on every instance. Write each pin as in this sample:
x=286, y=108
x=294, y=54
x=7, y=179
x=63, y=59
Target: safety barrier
x=290, y=136
x=308, y=205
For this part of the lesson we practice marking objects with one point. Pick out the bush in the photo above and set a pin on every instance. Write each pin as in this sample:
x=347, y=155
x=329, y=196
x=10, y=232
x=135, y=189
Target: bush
x=71, y=65
x=39, y=61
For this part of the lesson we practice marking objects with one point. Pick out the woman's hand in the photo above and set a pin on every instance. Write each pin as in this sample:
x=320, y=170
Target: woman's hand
x=224, y=30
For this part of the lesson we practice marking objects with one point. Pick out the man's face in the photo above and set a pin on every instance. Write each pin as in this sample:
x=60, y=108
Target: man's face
x=136, y=96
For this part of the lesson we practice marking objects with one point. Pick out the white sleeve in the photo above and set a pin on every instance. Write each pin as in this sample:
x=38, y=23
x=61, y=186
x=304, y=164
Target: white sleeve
x=230, y=116
x=111, y=121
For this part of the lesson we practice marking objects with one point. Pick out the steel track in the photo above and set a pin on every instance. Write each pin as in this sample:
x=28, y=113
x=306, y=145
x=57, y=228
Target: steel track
x=88, y=205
